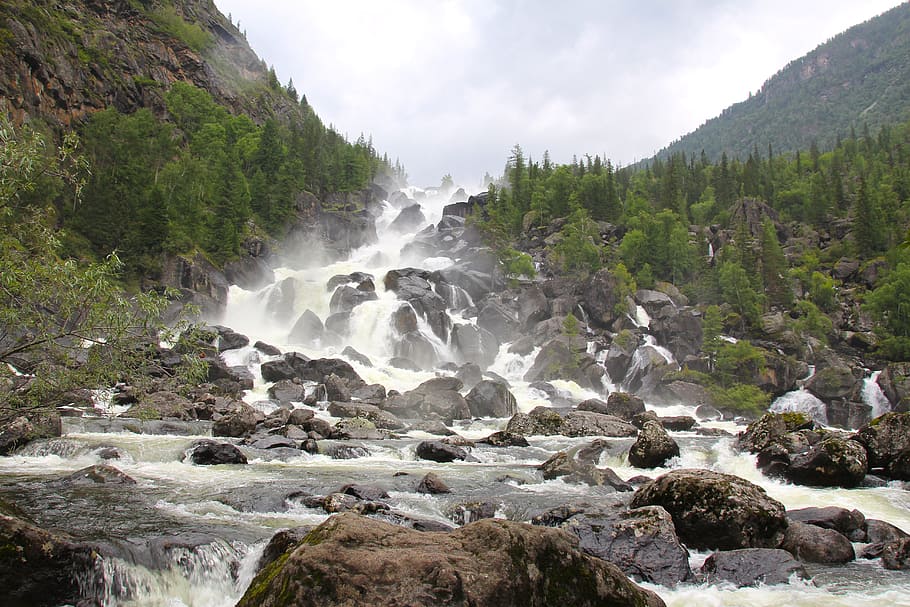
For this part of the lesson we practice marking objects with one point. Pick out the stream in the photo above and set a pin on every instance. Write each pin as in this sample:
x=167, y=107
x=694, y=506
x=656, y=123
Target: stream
x=188, y=535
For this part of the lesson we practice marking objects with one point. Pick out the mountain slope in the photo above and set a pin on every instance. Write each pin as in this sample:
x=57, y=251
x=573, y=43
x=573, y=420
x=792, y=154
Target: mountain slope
x=860, y=77
x=62, y=62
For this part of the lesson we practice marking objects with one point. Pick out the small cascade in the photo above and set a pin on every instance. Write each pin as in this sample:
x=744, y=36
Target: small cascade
x=206, y=575
x=650, y=340
x=456, y=297
x=641, y=318
x=874, y=397
x=801, y=401
x=710, y=251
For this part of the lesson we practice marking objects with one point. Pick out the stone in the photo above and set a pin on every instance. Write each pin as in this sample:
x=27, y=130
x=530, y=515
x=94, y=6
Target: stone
x=587, y=423
x=896, y=555
x=712, y=510
x=491, y=399
x=653, y=447
x=474, y=344
x=641, y=541
x=885, y=438
x=834, y=382
x=505, y=439
x=437, y=451
x=769, y=429
x=382, y=419
x=814, y=544
x=752, y=567
x=99, y=474
x=432, y=484
x=210, y=453
x=240, y=422
x=834, y=462
x=357, y=560
x=846, y=522
x=307, y=330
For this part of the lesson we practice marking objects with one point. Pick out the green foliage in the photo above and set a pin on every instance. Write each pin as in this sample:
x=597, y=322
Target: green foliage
x=661, y=242
x=774, y=267
x=889, y=303
x=736, y=289
x=822, y=291
x=578, y=251
x=738, y=362
x=516, y=263
x=741, y=399
x=625, y=289
x=169, y=21
x=570, y=325
x=712, y=327
x=67, y=323
x=812, y=321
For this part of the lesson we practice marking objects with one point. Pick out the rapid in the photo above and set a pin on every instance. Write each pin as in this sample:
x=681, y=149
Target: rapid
x=188, y=535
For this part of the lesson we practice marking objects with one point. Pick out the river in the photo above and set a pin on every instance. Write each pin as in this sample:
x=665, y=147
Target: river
x=189, y=535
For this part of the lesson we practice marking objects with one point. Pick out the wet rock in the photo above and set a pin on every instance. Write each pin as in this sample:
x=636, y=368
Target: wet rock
x=432, y=484
x=383, y=564
x=557, y=360
x=885, y=438
x=409, y=219
x=641, y=542
x=848, y=414
x=38, y=567
x=834, y=462
x=404, y=319
x=307, y=330
x=850, y=523
x=24, y=429
x=505, y=439
x=368, y=493
x=356, y=356
x=469, y=374
x=540, y=421
x=416, y=347
x=267, y=349
x=287, y=391
x=432, y=427
x=347, y=451
x=437, y=451
x=498, y=320
x=595, y=405
x=599, y=297
x=491, y=399
x=428, y=402
x=752, y=567
x=412, y=285
x=712, y=510
x=99, y=474
x=228, y=339
x=770, y=428
x=894, y=381
x=281, y=542
x=899, y=467
x=574, y=467
x=896, y=555
x=816, y=544
x=834, y=382
x=880, y=532
x=475, y=344
x=653, y=447
x=400, y=362
x=357, y=428
x=240, y=421
x=382, y=419
x=274, y=442
x=210, y=453
x=587, y=423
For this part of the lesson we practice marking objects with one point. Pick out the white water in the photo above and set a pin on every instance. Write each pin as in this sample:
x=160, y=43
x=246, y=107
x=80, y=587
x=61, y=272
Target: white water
x=223, y=502
x=801, y=401
x=874, y=397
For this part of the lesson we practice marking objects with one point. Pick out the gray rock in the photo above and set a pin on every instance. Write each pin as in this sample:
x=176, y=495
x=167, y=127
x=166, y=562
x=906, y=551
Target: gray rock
x=437, y=451
x=816, y=544
x=491, y=399
x=653, y=447
x=752, y=566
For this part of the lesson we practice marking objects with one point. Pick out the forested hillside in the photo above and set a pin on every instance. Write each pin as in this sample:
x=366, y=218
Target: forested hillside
x=857, y=80
x=799, y=249
x=191, y=143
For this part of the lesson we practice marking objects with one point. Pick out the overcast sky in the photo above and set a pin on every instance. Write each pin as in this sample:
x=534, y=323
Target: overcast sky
x=450, y=86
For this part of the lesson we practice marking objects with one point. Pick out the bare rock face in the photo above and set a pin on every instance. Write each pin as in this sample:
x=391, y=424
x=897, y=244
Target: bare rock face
x=719, y=511
x=351, y=560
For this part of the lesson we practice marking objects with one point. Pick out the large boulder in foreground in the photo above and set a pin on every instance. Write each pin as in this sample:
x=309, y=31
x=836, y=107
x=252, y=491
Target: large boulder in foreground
x=37, y=567
x=712, y=510
x=353, y=560
x=642, y=541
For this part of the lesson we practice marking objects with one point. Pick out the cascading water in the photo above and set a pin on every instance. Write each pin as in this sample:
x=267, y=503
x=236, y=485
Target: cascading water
x=801, y=401
x=874, y=397
x=214, y=521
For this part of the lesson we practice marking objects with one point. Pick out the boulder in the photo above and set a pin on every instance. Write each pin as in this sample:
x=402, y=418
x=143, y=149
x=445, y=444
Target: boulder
x=752, y=567
x=307, y=330
x=163, y=405
x=346, y=298
x=40, y=568
x=239, y=422
x=558, y=360
x=899, y=467
x=499, y=320
x=851, y=523
x=896, y=555
x=382, y=419
x=894, y=381
x=438, y=451
x=356, y=428
x=404, y=319
x=641, y=541
x=287, y=391
x=573, y=468
x=409, y=219
x=885, y=438
x=624, y=405
x=880, y=532
x=505, y=439
x=769, y=429
x=474, y=344
x=834, y=382
x=712, y=510
x=228, y=339
x=834, y=462
x=432, y=484
x=22, y=429
x=210, y=453
x=599, y=296
x=816, y=544
x=653, y=447
x=491, y=399
x=99, y=474
x=351, y=559
x=588, y=423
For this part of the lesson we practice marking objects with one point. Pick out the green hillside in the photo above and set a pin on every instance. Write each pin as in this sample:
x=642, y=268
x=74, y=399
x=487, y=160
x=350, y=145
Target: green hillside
x=858, y=79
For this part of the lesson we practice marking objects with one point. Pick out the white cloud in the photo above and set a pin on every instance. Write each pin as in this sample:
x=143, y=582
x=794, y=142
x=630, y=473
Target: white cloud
x=451, y=86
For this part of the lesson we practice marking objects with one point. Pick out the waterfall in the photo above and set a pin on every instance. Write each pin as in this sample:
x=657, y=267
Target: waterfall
x=641, y=318
x=874, y=397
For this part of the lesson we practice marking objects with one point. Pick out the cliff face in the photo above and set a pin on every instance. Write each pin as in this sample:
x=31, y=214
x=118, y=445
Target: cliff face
x=61, y=61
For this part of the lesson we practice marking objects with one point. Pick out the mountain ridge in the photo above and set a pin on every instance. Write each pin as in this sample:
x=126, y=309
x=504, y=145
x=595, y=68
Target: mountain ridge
x=858, y=78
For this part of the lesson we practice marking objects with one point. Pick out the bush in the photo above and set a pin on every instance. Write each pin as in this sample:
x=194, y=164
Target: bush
x=741, y=399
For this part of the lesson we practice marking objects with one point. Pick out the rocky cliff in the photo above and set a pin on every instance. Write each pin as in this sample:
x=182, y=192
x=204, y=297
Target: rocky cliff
x=63, y=61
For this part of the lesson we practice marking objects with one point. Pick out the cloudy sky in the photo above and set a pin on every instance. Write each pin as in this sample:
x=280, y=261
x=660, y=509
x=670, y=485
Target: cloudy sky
x=449, y=86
